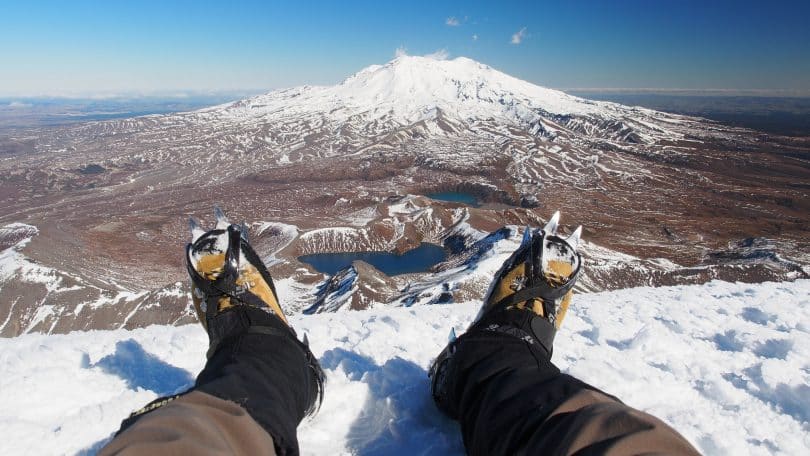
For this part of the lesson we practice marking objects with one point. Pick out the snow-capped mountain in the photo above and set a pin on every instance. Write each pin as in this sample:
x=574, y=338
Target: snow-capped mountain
x=664, y=198
x=384, y=105
x=415, y=96
x=410, y=89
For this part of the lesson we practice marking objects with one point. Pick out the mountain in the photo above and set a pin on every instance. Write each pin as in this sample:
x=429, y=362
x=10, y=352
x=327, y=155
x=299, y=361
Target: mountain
x=418, y=90
x=95, y=213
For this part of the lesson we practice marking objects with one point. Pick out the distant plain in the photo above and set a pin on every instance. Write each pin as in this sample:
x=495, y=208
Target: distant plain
x=789, y=116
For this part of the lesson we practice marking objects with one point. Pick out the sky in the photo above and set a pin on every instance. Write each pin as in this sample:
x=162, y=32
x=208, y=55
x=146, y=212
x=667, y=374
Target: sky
x=90, y=48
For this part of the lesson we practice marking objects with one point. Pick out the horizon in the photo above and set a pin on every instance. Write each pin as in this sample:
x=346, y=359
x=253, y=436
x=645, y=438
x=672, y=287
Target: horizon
x=86, y=50
x=184, y=94
x=181, y=94
x=777, y=111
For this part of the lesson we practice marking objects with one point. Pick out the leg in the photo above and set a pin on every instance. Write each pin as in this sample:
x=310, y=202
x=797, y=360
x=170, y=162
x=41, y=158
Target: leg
x=498, y=381
x=259, y=381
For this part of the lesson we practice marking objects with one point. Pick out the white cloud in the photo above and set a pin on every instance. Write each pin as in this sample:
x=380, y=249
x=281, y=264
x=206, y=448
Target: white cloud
x=475, y=37
x=441, y=54
x=517, y=38
x=400, y=52
x=452, y=22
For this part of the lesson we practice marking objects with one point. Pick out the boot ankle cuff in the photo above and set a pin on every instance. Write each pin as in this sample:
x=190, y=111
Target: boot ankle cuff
x=239, y=320
x=522, y=324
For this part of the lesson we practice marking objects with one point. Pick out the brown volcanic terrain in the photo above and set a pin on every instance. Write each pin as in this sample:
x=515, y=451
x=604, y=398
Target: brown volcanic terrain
x=110, y=200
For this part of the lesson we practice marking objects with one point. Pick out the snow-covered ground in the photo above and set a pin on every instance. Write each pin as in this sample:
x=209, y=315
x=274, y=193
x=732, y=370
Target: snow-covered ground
x=726, y=364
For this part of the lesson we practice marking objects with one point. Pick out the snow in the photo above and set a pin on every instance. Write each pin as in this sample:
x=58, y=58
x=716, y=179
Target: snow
x=425, y=83
x=726, y=364
x=13, y=262
x=286, y=233
x=362, y=217
x=415, y=88
x=335, y=239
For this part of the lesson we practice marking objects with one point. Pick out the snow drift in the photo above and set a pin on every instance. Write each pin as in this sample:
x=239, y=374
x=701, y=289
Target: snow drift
x=726, y=364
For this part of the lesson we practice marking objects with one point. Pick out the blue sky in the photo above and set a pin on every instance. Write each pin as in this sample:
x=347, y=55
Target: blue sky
x=83, y=47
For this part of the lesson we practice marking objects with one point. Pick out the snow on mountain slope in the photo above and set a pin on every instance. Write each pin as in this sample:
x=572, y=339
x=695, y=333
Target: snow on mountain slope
x=379, y=107
x=45, y=299
x=726, y=364
x=412, y=87
x=413, y=96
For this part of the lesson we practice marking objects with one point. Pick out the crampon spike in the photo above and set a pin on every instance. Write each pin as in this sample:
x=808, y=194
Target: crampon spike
x=222, y=221
x=196, y=230
x=573, y=239
x=551, y=226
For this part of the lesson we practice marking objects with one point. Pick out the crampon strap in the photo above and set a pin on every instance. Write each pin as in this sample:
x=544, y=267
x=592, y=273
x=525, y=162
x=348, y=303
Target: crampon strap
x=225, y=283
x=541, y=289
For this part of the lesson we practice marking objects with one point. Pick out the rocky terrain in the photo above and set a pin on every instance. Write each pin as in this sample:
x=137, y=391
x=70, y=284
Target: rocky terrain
x=94, y=215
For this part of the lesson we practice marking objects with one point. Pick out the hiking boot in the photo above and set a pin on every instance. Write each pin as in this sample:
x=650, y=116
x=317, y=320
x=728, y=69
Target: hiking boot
x=538, y=277
x=528, y=298
x=225, y=271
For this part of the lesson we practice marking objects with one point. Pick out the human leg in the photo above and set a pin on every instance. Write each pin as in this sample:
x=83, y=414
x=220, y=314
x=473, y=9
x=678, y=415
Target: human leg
x=498, y=380
x=257, y=372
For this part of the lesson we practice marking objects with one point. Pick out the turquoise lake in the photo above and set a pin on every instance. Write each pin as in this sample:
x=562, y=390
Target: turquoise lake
x=455, y=197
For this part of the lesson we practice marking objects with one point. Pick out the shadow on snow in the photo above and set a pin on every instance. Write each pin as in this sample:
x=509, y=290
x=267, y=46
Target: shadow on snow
x=141, y=369
x=398, y=417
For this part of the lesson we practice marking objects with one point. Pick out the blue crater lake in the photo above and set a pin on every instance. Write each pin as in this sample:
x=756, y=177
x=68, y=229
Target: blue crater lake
x=455, y=197
x=420, y=259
